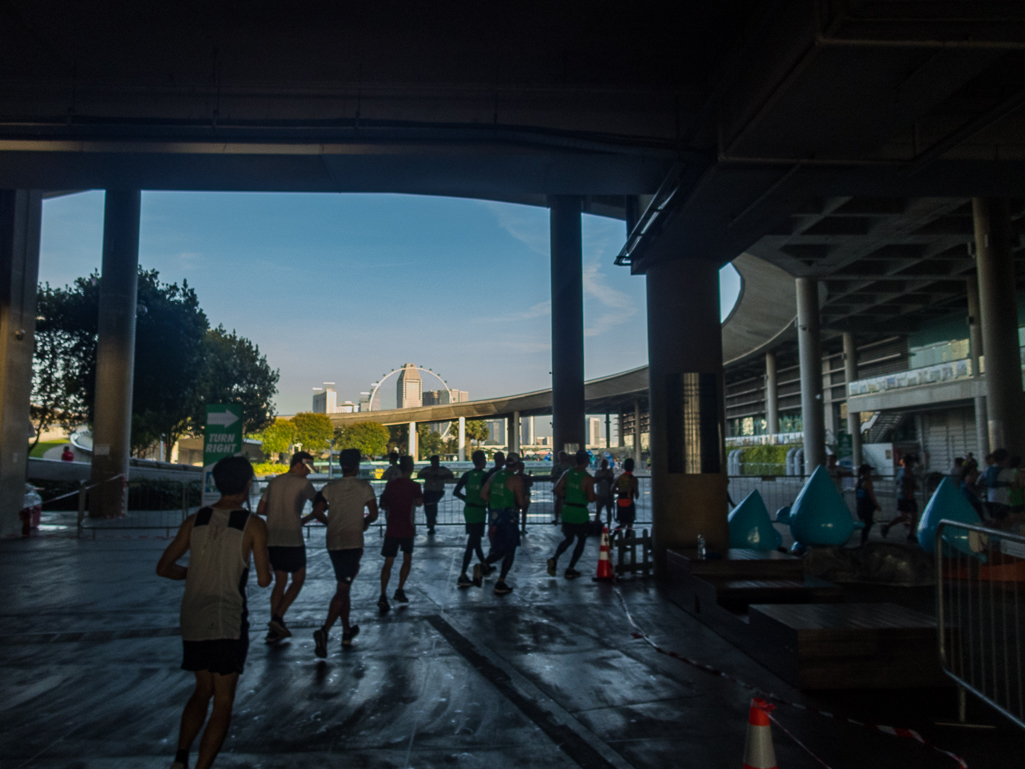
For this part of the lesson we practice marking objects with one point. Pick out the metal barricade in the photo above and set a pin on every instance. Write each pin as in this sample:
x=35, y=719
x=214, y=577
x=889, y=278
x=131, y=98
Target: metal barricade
x=151, y=505
x=980, y=614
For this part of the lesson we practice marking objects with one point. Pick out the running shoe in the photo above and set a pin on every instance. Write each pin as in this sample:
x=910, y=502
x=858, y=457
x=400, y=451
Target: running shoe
x=551, y=567
x=501, y=588
x=382, y=605
x=278, y=626
x=400, y=596
x=272, y=637
x=571, y=574
x=464, y=581
x=478, y=575
x=320, y=639
x=348, y=636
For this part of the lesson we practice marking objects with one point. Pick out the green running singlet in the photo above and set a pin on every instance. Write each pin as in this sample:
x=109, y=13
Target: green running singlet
x=474, y=509
x=502, y=497
x=575, y=508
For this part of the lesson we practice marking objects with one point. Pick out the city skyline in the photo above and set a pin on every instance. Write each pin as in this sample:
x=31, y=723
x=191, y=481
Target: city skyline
x=358, y=282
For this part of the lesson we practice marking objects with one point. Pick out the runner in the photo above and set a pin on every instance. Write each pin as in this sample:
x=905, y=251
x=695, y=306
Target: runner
x=282, y=505
x=603, y=492
x=434, y=477
x=626, y=493
x=400, y=499
x=907, y=506
x=499, y=464
x=392, y=470
x=475, y=515
x=214, y=618
x=504, y=494
x=865, y=497
x=558, y=470
x=577, y=488
x=344, y=501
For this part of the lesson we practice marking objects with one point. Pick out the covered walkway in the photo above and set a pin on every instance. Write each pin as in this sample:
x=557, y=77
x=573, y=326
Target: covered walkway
x=549, y=675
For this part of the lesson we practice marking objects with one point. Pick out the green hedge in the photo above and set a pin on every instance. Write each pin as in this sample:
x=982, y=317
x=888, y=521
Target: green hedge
x=764, y=460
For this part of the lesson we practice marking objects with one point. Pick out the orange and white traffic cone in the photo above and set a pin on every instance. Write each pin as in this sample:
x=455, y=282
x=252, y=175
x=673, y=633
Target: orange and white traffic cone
x=758, y=752
x=605, y=572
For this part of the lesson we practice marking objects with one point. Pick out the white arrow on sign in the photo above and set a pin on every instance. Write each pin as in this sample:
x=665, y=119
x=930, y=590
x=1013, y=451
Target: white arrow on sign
x=222, y=418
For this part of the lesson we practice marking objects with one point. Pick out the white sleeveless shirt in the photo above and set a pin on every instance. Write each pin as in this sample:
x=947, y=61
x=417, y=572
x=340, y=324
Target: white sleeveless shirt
x=214, y=604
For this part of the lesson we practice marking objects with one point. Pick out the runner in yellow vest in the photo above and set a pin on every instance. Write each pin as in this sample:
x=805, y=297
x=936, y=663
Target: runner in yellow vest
x=576, y=487
x=504, y=494
x=626, y=493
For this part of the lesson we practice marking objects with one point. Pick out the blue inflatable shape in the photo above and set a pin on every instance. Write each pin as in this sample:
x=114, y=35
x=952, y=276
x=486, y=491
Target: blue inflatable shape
x=819, y=516
x=783, y=515
x=948, y=503
x=751, y=527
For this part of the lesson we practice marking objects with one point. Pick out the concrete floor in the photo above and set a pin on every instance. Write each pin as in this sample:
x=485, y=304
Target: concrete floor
x=547, y=676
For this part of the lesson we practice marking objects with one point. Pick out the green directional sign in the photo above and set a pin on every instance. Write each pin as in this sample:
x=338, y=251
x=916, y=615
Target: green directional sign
x=221, y=438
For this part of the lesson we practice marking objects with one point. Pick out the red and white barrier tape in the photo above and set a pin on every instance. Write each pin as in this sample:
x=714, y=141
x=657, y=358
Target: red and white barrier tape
x=893, y=731
x=76, y=492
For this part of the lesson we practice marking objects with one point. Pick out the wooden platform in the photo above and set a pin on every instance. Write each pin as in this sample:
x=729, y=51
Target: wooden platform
x=846, y=646
x=799, y=627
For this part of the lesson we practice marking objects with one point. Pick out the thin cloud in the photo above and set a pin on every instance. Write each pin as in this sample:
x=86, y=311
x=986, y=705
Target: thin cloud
x=525, y=223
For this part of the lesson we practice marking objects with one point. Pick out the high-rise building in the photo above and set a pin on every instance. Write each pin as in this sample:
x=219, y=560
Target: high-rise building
x=410, y=388
x=496, y=432
x=443, y=397
x=595, y=439
x=325, y=399
x=364, y=401
x=527, y=431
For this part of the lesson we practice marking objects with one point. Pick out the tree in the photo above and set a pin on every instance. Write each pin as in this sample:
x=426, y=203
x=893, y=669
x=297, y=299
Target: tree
x=428, y=442
x=477, y=431
x=236, y=372
x=313, y=431
x=55, y=399
x=398, y=438
x=168, y=358
x=371, y=438
x=277, y=438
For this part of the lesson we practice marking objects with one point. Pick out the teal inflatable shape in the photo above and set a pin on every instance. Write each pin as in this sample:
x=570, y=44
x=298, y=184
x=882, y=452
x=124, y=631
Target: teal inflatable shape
x=819, y=516
x=948, y=503
x=783, y=515
x=751, y=527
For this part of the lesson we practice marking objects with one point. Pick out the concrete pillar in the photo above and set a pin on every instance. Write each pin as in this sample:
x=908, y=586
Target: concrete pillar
x=462, y=439
x=608, y=431
x=620, y=438
x=810, y=350
x=637, y=435
x=771, y=393
x=999, y=311
x=850, y=374
x=514, y=432
x=411, y=446
x=975, y=351
x=567, y=324
x=686, y=412
x=115, y=353
x=20, y=217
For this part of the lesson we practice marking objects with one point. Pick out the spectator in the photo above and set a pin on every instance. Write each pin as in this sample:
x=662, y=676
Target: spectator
x=434, y=477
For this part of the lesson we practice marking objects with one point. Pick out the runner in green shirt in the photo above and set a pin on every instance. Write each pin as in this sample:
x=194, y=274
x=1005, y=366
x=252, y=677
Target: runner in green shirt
x=504, y=494
x=475, y=514
x=576, y=487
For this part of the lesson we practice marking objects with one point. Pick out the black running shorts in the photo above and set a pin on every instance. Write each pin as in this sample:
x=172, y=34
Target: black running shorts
x=288, y=559
x=393, y=544
x=223, y=656
x=476, y=529
x=346, y=563
x=576, y=529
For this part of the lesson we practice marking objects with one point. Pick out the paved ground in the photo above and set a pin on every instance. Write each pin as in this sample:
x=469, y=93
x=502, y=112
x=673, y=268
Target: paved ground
x=547, y=676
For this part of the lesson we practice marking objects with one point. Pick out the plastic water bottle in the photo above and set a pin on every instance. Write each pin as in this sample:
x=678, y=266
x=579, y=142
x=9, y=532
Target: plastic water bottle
x=701, y=547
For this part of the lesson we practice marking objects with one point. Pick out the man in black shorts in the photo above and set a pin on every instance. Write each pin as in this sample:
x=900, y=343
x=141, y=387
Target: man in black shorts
x=400, y=499
x=343, y=501
x=282, y=505
x=214, y=625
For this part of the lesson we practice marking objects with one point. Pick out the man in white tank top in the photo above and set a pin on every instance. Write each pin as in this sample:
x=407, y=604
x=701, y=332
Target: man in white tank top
x=214, y=617
x=282, y=505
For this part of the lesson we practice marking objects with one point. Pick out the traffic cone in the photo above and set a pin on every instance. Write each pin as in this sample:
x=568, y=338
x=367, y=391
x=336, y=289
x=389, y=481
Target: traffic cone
x=758, y=752
x=605, y=572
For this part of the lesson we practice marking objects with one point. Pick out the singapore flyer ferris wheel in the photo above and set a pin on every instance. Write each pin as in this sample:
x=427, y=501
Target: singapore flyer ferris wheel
x=379, y=394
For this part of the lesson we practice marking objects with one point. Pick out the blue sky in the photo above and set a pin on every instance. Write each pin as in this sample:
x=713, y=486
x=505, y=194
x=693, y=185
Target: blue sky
x=344, y=288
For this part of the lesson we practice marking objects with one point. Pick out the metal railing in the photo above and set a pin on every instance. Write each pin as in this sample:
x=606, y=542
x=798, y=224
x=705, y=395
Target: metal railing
x=450, y=509
x=150, y=506
x=980, y=614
